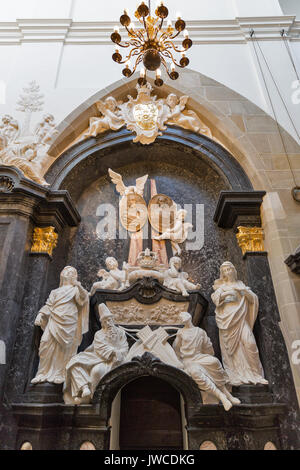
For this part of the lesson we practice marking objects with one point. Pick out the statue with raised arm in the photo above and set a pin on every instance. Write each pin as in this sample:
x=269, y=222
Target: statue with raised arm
x=236, y=312
x=186, y=118
x=111, y=118
x=64, y=319
x=193, y=347
x=113, y=279
x=86, y=369
x=178, y=233
x=177, y=280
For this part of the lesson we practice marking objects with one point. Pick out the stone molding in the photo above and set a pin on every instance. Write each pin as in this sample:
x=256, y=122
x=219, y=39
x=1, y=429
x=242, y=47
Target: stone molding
x=45, y=207
x=223, y=31
x=233, y=204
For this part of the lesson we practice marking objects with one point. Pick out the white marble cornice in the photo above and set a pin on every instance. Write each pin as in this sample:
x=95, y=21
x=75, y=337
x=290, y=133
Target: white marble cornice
x=235, y=31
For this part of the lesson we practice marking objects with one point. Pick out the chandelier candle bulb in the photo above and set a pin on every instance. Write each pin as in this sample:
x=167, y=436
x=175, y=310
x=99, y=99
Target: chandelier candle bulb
x=116, y=29
x=186, y=33
x=178, y=15
x=142, y=72
x=158, y=73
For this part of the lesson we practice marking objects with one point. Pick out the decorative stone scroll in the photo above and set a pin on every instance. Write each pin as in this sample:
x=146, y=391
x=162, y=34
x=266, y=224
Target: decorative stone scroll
x=250, y=239
x=23, y=148
x=145, y=115
x=44, y=240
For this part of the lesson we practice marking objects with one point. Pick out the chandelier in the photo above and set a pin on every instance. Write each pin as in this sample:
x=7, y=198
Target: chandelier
x=151, y=44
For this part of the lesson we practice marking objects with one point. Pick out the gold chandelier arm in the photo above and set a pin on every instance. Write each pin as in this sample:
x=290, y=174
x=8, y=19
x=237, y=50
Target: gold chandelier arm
x=138, y=60
x=170, y=44
x=168, y=54
x=175, y=35
x=132, y=53
x=158, y=28
x=135, y=36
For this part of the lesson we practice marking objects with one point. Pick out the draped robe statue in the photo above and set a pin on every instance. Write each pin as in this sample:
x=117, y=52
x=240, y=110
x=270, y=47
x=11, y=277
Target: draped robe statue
x=236, y=312
x=194, y=349
x=63, y=319
x=85, y=370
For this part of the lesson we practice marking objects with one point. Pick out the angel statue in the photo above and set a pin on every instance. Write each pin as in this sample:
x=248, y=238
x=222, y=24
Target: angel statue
x=188, y=119
x=177, y=280
x=111, y=118
x=178, y=233
x=126, y=190
x=113, y=279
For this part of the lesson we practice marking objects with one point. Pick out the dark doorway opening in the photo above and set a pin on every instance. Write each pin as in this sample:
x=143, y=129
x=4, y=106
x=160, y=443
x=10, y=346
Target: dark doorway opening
x=150, y=416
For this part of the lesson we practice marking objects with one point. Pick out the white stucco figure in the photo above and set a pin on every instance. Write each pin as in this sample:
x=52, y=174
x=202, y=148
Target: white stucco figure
x=178, y=233
x=85, y=370
x=110, y=118
x=179, y=116
x=193, y=347
x=9, y=129
x=45, y=130
x=177, y=280
x=236, y=312
x=64, y=319
x=113, y=279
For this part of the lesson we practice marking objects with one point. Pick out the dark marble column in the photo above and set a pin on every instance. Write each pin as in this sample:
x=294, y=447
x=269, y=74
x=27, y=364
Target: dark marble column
x=23, y=206
x=271, y=344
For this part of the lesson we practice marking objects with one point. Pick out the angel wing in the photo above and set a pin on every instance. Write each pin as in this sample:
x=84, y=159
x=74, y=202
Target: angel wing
x=140, y=184
x=101, y=107
x=183, y=101
x=118, y=181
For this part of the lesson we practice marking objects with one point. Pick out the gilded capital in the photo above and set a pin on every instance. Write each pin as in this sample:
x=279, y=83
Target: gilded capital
x=250, y=239
x=44, y=240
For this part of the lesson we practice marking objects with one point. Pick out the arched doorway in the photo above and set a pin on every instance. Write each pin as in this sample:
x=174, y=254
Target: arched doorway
x=150, y=415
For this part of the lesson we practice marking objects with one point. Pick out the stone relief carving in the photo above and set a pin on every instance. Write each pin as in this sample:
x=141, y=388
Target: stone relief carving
x=22, y=148
x=85, y=370
x=6, y=184
x=131, y=312
x=236, y=312
x=64, y=319
x=145, y=115
x=193, y=347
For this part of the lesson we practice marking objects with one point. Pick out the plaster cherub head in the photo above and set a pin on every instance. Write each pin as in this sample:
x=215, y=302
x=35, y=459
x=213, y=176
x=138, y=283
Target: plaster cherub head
x=110, y=103
x=172, y=100
x=111, y=263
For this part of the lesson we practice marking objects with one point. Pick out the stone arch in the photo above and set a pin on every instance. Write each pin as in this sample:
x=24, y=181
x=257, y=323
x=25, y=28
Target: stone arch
x=147, y=365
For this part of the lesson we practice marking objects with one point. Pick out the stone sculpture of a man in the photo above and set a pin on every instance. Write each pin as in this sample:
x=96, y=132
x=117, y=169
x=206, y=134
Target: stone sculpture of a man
x=193, y=347
x=63, y=319
x=85, y=370
x=236, y=312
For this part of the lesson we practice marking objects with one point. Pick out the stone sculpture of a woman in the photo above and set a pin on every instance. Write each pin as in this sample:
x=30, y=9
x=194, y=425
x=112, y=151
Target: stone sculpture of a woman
x=63, y=319
x=236, y=312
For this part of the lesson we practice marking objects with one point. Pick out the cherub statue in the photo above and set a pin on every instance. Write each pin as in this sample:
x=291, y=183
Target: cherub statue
x=86, y=369
x=113, y=279
x=177, y=280
x=45, y=130
x=126, y=190
x=9, y=130
x=23, y=155
x=178, y=234
x=111, y=118
x=188, y=119
x=193, y=347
